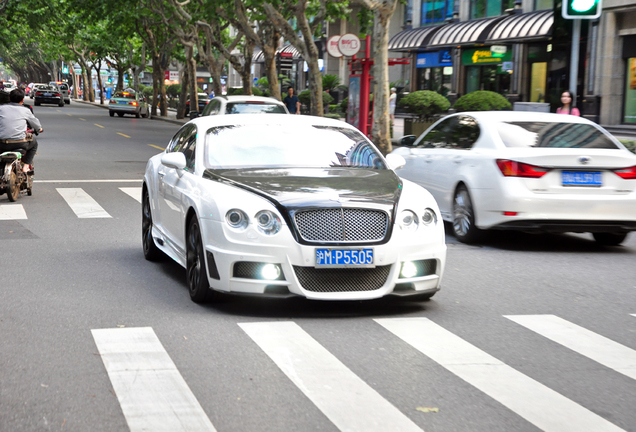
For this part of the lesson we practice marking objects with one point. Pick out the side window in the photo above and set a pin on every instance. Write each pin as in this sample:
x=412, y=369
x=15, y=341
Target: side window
x=438, y=136
x=188, y=148
x=464, y=133
x=216, y=106
x=180, y=137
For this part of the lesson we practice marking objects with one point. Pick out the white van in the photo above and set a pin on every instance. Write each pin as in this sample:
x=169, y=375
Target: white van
x=63, y=89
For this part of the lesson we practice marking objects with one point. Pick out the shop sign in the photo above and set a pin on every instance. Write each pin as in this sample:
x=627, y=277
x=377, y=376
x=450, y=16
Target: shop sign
x=498, y=50
x=434, y=59
x=478, y=56
x=332, y=46
x=349, y=44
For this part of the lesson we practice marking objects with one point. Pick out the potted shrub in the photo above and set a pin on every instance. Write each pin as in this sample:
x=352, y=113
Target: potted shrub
x=482, y=100
x=425, y=104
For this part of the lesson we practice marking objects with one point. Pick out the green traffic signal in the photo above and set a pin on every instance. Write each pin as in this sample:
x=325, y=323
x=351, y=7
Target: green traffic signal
x=581, y=9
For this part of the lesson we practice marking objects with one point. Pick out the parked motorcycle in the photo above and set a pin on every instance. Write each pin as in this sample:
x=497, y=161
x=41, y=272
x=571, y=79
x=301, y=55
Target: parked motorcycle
x=13, y=180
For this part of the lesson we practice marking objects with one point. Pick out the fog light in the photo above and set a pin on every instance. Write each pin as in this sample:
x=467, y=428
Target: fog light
x=409, y=270
x=270, y=272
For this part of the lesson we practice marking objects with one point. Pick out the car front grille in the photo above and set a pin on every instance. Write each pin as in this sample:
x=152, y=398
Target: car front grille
x=342, y=225
x=333, y=280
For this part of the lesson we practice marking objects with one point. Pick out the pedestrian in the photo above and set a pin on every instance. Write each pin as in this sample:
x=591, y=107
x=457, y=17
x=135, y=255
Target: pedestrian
x=14, y=120
x=566, y=104
x=392, y=102
x=292, y=102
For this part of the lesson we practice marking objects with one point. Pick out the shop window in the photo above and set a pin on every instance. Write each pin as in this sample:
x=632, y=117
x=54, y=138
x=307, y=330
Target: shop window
x=489, y=8
x=543, y=4
x=436, y=11
x=630, y=92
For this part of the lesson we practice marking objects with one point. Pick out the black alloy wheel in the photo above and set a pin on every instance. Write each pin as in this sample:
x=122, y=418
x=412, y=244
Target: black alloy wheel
x=609, y=239
x=151, y=251
x=13, y=188
x=464, y=217
x=198, y=283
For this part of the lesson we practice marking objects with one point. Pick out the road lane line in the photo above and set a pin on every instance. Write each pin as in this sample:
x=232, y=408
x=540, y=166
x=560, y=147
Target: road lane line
x=342, y=396
x=70, y=115
x=82, y=203
x=157, y=147
x=124, y=135
x=538, y=404
x=585, y=342
x=152, y=393
x=134, y=192
x=12, y=212
x=82, y=119
x=98, y=125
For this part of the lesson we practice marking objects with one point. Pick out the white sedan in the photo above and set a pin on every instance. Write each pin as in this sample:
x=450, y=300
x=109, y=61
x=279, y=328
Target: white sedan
x=282, y=205
x=525, y=171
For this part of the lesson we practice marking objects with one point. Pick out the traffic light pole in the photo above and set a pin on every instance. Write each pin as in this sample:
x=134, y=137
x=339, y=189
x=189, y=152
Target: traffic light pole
x=574, y=57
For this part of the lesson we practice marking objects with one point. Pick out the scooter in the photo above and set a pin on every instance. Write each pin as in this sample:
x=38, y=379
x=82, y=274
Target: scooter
x=13, y=180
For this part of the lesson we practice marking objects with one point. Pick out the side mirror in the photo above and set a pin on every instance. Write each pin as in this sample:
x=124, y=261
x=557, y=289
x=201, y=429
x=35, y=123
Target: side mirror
x=408, y=140
x=174, y=160
x=395, y=161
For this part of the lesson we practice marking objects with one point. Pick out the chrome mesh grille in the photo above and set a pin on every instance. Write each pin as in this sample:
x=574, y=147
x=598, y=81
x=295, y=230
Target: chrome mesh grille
x=334, y=280
x=342, y=225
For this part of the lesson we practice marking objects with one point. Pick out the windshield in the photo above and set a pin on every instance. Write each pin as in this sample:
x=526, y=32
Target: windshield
x=125, y=95
x=254, y=108
x=272, y=145
x=553, y=134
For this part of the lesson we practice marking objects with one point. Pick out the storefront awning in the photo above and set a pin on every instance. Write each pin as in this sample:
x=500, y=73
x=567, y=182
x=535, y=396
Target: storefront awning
x=464, y=32
x=258, y=56
x=523, y=27
x=413, y=39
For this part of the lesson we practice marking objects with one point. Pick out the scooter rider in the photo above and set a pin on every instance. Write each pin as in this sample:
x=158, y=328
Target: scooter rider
x=14, y=120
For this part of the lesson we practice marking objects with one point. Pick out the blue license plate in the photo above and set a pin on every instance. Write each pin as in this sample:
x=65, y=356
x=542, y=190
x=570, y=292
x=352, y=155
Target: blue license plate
x=582, y=178
x=48, y=94
x=122, y=102
x=344, y=258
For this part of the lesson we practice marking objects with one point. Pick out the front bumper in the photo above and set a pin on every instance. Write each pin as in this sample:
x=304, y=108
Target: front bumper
x=302, y=278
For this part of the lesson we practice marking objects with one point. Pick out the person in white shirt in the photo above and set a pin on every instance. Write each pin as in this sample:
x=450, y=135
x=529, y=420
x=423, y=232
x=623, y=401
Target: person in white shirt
x=392, y=101
x=14, y=120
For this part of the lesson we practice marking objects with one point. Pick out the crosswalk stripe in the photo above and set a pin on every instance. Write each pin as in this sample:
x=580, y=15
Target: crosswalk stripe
x=342, y=396
x=594, y=346
x=82, y=204
x=152, y=393
x=538, y=404
x=134, y=192
x=12, y=212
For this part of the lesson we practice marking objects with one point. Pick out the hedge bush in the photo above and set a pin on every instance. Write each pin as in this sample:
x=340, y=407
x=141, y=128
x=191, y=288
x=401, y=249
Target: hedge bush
x=305, y=97
x=631, y=145
x=482, y=100
x=424, y=103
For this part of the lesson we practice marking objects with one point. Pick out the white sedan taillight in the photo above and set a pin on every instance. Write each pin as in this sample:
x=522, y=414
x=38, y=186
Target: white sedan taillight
x=510, y=168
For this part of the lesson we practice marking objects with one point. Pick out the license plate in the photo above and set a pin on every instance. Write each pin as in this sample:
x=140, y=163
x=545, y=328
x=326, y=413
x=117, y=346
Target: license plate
x=47, y=94
x=122, y=102
x=582, y=178
x=344, y=258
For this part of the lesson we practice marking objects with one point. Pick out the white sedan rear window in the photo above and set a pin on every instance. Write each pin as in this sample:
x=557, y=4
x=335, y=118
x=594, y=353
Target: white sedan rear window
x=553, y=134
x=254, y=108
x=249, y=146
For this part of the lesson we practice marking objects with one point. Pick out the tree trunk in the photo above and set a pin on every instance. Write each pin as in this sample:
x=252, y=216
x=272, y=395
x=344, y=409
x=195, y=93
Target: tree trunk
x=183, y=93
x=192, y=76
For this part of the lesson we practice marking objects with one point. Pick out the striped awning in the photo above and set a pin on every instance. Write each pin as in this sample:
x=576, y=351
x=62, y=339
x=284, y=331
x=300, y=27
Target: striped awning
x=523, y=27
x=258, y=56
x=464, y=32
x=413, y=39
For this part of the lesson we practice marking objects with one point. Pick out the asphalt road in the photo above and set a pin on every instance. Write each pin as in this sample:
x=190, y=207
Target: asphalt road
x=529, y=332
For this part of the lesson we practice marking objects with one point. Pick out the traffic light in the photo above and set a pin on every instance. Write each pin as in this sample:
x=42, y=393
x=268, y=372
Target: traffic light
x=581, y=9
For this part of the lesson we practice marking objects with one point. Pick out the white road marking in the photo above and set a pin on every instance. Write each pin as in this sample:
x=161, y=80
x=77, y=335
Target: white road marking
x=152, y=393
x=82, y=203
x=12, y=212
x=134, y=192
x=343, y=397
x=538, y=404
x=585, y=342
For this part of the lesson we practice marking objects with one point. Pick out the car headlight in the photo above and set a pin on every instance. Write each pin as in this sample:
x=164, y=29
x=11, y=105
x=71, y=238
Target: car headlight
x=237, y=219
x=268, y=222
x=429, y=217
x=408, y=220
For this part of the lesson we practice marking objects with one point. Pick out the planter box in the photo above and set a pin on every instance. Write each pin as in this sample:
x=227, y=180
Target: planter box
x=413, y=126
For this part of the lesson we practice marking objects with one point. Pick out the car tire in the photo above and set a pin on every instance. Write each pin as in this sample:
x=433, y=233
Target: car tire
x=67, y=101
x=145, y=115
x=111, y=113
x=36, y=103
x=198, y=283
x=151, y=251
x=464, y=217
x=61, y=104
x=120, y=114
x=609, y=239
x=137, y=115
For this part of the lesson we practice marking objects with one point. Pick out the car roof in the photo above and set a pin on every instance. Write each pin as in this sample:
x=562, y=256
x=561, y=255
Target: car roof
x=243, y=98
x=269, y=119
x=524, y=116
